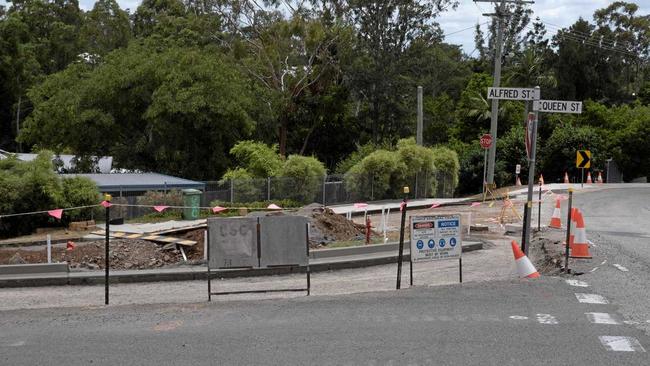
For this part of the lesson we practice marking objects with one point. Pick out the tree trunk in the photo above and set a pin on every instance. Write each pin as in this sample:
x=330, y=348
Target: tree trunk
x=19, y=146
x=283, y=136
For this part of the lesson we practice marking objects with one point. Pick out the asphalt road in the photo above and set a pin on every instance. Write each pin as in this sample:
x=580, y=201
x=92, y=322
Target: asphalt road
x=599, y=318
x=499, y=323
x=618, y=223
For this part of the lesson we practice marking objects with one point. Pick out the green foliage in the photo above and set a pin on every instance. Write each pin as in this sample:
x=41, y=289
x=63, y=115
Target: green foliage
x=29, y=186
x=257, y=158
x=448, y=167
x=76, y=192
x=361, y=152
x=245, y=187
x=176, y=110
x=304, y=177
x=376, y=175
x=559, y=153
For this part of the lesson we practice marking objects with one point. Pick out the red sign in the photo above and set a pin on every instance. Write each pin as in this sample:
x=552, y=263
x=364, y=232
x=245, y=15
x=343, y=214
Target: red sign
x=423, y=225
x=486, y=141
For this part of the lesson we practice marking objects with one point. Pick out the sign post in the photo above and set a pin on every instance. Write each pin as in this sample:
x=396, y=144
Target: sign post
x=436, y=237
x=486, y=143
x=400, y=255
x=496, y=94
x=583, y=160
x=550, y=106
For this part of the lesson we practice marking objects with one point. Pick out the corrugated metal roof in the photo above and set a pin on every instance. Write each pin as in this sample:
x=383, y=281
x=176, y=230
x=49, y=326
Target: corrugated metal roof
x=138, y=182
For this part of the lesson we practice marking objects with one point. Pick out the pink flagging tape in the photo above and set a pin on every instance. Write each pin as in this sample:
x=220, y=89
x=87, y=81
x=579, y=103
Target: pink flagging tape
x=160, y=208
x=56, y=213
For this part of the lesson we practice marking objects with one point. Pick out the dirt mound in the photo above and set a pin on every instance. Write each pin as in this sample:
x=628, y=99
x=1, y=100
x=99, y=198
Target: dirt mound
x=124, y=254
x=338, y=226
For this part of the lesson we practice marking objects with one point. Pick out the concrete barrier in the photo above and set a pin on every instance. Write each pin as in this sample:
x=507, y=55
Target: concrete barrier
x=27, y=269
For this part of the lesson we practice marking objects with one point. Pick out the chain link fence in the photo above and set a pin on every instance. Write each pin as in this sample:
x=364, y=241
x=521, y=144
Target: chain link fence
x=328, y=190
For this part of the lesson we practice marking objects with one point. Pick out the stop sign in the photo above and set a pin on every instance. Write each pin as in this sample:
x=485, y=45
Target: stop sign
x=486, y=141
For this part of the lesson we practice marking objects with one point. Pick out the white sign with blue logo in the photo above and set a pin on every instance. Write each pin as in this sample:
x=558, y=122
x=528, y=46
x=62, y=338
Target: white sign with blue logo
x=441, y=233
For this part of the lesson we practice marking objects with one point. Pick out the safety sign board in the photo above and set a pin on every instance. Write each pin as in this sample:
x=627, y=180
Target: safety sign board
x=513, y=93
x=583, y=159
x=440, y=232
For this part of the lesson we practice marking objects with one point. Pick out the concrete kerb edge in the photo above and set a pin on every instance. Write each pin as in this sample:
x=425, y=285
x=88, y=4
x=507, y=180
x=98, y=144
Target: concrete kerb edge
x=97, y=278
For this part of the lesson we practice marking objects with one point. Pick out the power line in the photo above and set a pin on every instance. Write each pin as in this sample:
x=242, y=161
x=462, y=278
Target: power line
x=590, y=42
x=464, y=29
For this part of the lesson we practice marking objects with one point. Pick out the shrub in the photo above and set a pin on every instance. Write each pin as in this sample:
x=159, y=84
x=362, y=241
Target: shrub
x=173, y=197
x=303, y=178
x=79, y=191
x=373, y=177
x=258, y=159
x=420, y=173
x=28, y=186
x=448, y=167
x=245, y=187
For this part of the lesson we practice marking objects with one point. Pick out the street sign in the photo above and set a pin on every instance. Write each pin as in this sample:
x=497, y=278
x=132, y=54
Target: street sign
x=513, y=93
x=583, y=159
x=486, y=141
x=441, y=233
x=557, y=106
x=517, y=168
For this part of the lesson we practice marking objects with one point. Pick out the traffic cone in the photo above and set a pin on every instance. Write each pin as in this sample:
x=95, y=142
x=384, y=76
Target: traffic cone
x=70, y=245
x=599, y=180
x=556, y=220
x=518, y=182
x=541, y=179
x=524, y=267
x=566, y=177
x=580, y=246
x=573, y=225
x=589, y=181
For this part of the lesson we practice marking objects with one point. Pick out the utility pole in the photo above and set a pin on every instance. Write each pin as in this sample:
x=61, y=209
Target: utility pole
x=418, y=136
x=500, y=14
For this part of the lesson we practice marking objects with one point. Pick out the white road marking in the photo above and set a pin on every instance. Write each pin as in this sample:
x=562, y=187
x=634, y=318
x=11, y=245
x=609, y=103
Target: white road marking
x=518, y=317
x=577, y=283
x=16, y=344
x=594, y=269
x=591, y=298
x=631, y=322
x=546, y=319
x=623, y=269
x=601, y=318
x=621, y=344
x=603, y=262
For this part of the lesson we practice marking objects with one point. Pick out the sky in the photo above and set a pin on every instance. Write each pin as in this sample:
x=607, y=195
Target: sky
x=561, y=13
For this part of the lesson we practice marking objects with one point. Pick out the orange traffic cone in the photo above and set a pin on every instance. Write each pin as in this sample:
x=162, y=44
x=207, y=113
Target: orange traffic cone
x=556, y=221
x=580, y=246
x=599, y=180
x=541, y=179
x=524, y=267
x=518, y=182
x=589, y=181
x=566, y=177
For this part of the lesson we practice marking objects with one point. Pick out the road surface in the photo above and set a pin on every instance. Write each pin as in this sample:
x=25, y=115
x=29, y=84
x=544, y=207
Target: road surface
x=599, y=318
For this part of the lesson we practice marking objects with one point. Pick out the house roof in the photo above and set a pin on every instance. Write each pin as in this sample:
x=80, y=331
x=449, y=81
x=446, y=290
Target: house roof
x=138, y=182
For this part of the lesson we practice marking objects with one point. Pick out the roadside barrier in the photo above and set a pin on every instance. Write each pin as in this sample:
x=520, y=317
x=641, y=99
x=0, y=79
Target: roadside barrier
x=580, y=245
x=556, y=221
x=524, y=267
